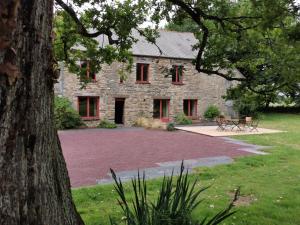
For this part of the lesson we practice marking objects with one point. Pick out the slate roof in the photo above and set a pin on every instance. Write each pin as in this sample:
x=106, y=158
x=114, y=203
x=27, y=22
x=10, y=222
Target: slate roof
x=173, y=45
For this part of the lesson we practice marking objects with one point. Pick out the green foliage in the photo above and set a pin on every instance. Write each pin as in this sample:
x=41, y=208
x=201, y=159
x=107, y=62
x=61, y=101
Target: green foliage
x=174, y=205
x=182, y=119
x=182, y=24
x=171, y=127
x=65, y=116
x=246, y=102
x=107, y=124
x=211, y=112
x=259, y=38
x=246, y=107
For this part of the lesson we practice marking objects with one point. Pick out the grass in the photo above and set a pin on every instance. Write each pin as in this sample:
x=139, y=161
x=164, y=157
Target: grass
x=270, y=184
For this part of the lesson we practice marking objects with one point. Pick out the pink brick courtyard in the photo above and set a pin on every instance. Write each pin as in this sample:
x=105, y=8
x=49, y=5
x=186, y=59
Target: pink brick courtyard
x=89, y=153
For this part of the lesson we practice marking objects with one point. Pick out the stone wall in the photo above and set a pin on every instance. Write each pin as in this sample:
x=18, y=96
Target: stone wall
x=139, y=97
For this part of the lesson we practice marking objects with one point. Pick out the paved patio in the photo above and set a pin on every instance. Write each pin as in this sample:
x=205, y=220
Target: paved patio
x=214, y=132
x=89, y=153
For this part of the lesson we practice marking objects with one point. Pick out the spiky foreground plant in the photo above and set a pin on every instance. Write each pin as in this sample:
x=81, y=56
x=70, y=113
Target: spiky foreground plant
x=173, y=206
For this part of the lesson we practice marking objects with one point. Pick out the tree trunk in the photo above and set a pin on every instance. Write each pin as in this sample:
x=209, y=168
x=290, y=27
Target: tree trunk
x=34, y=182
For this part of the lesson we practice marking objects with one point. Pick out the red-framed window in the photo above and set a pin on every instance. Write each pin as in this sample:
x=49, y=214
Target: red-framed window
x=88, y=107
x=87, y=74
x=161, y=109
x=142, y=73
x=177, y=74
x=190, y=107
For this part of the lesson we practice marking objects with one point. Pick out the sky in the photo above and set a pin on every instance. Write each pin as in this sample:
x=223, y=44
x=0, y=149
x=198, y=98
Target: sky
x=163, y=22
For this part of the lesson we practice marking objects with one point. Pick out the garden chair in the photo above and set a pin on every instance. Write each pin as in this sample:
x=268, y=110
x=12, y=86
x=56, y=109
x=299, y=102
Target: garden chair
x=248, y=122
x=227, y=121
x=254, y=125
x=221, y=122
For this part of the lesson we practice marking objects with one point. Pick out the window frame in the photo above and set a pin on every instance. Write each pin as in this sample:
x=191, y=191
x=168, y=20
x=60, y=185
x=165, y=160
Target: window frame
x=163, y=119
x=88, y=117
x=189, y=107
x=142, y=81
x=93, y=79
x=177, y=81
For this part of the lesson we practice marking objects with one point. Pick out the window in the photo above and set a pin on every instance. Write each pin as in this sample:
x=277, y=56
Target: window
x=121, y=80
x=161, y=109
x=88, y=107
x=87, y=73
x=190, y=107
x=177, y=74
x=142, y=73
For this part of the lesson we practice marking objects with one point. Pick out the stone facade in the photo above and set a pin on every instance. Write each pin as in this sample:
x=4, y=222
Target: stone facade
x=139, y=98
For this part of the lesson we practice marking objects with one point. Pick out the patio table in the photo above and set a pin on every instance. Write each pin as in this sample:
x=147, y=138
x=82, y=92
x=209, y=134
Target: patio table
x=235, y=123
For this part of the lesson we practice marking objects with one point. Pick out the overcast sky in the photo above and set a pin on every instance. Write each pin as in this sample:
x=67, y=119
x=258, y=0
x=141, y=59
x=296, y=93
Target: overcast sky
x=164, y=22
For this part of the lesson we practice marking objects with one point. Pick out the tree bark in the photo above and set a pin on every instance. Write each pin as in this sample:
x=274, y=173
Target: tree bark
x=34, y=182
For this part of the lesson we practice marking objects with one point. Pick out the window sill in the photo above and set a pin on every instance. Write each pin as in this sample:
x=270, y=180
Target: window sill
x=90, y=118
x=89, y=81
x=142, y=82
x=165, y=120
x=193, y=117
x=177, y=83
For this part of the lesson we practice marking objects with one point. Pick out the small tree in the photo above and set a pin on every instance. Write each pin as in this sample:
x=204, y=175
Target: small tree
x=65, y=115
x=182, y=119
x=211, y=112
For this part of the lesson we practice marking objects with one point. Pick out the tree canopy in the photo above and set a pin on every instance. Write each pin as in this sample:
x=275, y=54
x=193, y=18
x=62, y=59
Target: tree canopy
x=260, y=38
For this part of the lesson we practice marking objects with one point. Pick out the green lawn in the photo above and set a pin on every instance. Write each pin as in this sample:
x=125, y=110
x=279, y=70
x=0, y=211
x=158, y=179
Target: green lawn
x=270, y=184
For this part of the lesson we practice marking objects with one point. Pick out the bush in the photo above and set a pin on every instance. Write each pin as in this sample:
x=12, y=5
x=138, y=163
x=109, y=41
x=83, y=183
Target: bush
x=246, y=107
x=211, y=112
x=282, y=109
x=171, y=127
x=141, y=122
x=107, y=124
x=182, y=119
x=149, y=123
x=65, y=116
x=177, y=198
x=245, y=102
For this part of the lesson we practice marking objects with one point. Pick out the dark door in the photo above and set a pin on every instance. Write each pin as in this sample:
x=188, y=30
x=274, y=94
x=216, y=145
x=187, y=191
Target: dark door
x=119, y=110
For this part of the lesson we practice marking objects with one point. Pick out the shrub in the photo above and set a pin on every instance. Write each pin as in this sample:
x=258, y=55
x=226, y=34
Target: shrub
x=245, y=102
x=149, y=123
x=64, y=114
x=211, y=112
x=156, y=124
x=171, y=127
x=282, y=109
x=177, y=198
x=182, y=119
x=107, y=124
x=141, y=122
x=246, y=107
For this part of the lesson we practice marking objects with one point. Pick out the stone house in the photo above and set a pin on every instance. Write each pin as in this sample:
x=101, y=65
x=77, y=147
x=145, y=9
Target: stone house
x=160, y=85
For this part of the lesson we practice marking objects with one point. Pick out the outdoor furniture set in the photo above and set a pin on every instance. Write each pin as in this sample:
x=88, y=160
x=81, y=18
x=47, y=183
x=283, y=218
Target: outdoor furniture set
x=231, y=124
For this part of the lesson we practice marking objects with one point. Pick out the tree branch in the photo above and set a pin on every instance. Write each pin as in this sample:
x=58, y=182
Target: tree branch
x=226, y=76
x=264, y=92
x=142, y=33
x=82, y=29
